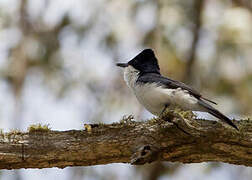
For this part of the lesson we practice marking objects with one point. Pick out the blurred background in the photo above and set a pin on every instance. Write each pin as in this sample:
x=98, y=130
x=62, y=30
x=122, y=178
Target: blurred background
x=57, y=67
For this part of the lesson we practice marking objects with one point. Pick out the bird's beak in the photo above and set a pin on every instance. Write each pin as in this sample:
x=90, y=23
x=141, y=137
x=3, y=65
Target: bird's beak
x=122, y=64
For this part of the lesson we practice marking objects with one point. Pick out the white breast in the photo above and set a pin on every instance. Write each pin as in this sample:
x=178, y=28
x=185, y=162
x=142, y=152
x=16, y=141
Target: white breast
x=154, y=97
x=130, y=76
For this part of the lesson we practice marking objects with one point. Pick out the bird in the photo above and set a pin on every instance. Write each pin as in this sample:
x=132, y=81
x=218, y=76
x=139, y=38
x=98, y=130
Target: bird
x=156, y=92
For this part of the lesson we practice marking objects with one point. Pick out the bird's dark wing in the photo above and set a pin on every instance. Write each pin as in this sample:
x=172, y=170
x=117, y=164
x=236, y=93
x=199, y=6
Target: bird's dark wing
x=171, y=84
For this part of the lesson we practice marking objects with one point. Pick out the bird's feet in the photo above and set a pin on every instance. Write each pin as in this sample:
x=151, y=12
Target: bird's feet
x=174, y=114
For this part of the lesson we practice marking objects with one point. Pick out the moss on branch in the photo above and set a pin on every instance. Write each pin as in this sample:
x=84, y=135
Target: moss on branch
x=180, y=137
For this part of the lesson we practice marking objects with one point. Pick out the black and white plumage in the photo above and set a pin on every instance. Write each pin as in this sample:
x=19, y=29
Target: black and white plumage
x=156, y=92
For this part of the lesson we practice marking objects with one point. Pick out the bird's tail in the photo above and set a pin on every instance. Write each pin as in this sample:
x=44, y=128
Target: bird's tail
x=217, y=114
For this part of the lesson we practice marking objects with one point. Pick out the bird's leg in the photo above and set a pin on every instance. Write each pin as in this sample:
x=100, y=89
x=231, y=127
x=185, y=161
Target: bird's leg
x=162, y=112
x=165, y=116
x=169, y=120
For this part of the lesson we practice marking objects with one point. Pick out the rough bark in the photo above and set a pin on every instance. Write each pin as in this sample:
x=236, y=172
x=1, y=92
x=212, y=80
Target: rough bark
x=185, y=140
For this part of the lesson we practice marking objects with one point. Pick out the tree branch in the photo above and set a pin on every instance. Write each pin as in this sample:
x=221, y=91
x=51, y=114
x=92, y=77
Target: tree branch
x=244, y=3
x=197, y=14
x=129, y=142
